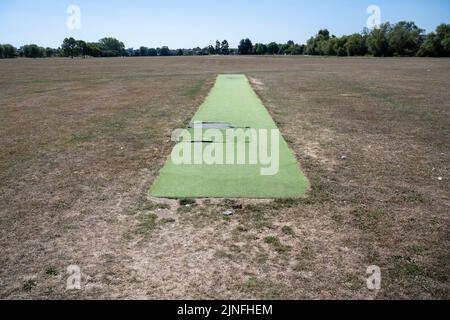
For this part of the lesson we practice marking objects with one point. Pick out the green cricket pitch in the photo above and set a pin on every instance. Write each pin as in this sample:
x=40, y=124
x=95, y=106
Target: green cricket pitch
x=232, y=101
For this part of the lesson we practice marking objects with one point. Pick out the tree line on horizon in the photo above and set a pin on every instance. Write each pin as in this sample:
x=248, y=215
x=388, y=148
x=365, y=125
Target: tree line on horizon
x=403, y=39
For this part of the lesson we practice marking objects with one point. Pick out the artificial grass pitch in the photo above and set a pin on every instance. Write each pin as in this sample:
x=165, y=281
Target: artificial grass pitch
x=231, y=101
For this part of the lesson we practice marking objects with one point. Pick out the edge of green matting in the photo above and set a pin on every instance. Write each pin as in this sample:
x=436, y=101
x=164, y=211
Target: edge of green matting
x=225, y=104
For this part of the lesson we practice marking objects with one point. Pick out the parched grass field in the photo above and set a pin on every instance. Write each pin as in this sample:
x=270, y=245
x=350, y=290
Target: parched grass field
x=83, y=140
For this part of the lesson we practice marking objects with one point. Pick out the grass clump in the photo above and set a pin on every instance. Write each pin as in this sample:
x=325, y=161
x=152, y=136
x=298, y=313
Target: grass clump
x=184, y=209
x=263, y=288
x=148, y=224
x=153, y=206
x=187, y=202
x=276, y=244
x=367, y=218
x=29, y=285
x=167, y=221
x=52, y=271
x=286, y=203
x=288, y=231
x=186, y=205
x=304, y=260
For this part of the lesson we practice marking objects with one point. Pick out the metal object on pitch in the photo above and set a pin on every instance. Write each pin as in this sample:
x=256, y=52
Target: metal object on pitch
x=210, y=125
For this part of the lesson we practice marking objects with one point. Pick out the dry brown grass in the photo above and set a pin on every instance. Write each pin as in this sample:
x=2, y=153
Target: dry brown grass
x=83, y=140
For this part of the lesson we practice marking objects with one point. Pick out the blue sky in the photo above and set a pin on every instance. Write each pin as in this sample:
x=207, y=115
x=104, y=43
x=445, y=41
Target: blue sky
x=182, y=24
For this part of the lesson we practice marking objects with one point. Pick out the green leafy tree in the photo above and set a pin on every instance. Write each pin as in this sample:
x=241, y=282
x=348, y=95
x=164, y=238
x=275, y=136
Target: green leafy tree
x=296, y=49
x=245, y=47
x=430, y=47
x=33, y=51
x=249, y=45
x=2, y=51
x=319, y=44
x=284, y=48
x=325, y=47
x=260, y=49
x=49, y=52
x=225, y=47
x=143, y=51
x=293, y=48
x=311, y=47
x=130, y=52
x=164, y=51
x=323, y=34
x=405, y=39
x=69, y=47
x=211, y=50
x=273, y=48
x=93, y=50
x=82, y=48
x=241, y=47
x=9, y=51
x=152, y=52
x=180, y=52
x=111, y=47
x=443, y=36
x=206, y=50
x=356, y=45
x=340, y=46
x=323, y=44
x=218, y=47
x=378, y=40
x=436, y=44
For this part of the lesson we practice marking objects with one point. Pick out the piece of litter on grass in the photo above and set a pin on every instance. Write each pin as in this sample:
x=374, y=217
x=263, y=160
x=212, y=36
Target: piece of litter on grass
x=228, y=213
x=343, y=157
x=440, y=178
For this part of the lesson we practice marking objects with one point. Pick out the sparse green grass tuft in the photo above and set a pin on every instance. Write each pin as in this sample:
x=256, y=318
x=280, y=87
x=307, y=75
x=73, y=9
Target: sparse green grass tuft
x=406, y=265
x=167, y=221
x=52, y=271
x=153, y=206
x=304, y=259
x=368, y=219
x=29, y=285
x=112, y=126
x=221, y=254
x=195, y=90
x=185, y=209
x=264, y=288
x=414, y=269
x=287, y=203
x=148, y=224
x=272, y=240
x=241, y=228
x=288, y=231
x=275, y=243
x=409, y=197
x=353, y=282
x=81, y=138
